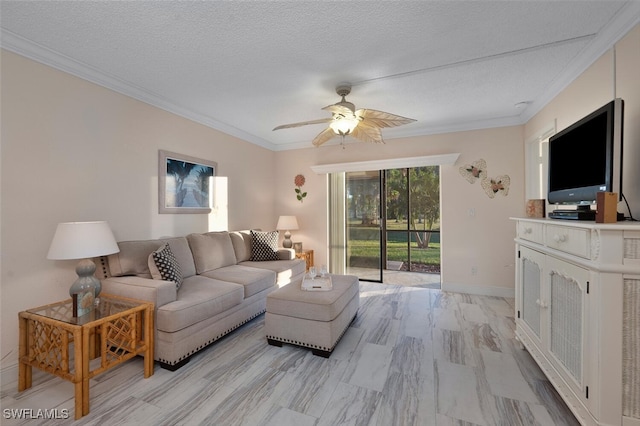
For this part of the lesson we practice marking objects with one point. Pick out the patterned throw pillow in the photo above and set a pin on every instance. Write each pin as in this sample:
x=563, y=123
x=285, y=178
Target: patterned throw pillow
x=164, y=265
x=264, y=245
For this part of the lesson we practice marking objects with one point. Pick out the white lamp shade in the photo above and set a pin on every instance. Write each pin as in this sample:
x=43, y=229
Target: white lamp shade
x=287, y=223
x=81, y=240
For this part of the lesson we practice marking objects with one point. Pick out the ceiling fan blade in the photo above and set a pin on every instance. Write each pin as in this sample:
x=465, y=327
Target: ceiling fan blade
x=303, y=123
x=382, y=119
x=324, y=136
x=367, y=133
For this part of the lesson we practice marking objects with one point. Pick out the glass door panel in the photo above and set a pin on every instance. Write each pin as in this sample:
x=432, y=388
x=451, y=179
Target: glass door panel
x=364, y=235
x=413, y=218
x=397, y=250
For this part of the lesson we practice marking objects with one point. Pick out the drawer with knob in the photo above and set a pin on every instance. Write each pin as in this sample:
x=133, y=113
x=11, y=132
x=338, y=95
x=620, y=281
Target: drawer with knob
x=531, y=231
x=569, y=240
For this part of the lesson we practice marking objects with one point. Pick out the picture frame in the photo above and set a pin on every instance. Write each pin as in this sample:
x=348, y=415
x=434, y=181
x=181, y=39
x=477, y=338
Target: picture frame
x=83, y=302
x=297, y=247
x=184, y=183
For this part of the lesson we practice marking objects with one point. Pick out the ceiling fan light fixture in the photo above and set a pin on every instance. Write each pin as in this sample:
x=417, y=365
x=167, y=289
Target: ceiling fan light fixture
x=343, y=125
x=345, y=120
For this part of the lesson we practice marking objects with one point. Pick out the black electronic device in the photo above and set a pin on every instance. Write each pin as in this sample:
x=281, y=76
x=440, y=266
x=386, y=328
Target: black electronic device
x=577, y=214
x=584, y=159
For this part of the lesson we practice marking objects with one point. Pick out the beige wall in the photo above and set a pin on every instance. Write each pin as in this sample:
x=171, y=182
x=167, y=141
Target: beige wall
x=74, y=151
x=594, y=88
x=483, y=240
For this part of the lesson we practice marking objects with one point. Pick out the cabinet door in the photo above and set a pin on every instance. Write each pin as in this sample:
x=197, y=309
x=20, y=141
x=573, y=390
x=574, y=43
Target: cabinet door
x=531, y=295
x=568, y=316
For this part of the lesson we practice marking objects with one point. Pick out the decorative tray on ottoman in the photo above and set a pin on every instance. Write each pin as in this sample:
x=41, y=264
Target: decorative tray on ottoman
x=317, y=283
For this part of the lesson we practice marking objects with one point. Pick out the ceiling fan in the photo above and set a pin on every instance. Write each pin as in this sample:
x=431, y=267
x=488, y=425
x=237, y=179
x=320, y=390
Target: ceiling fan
x=363, y=124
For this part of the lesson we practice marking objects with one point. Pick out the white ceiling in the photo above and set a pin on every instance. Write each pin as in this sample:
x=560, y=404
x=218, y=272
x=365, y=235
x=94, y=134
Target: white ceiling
x=246, y=67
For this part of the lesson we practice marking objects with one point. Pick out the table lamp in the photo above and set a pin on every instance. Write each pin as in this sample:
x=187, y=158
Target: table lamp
x=83, y=240
x=287, y=223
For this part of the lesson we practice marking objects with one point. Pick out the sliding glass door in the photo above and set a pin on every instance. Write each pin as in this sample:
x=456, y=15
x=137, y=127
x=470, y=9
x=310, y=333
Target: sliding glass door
x=385, y=220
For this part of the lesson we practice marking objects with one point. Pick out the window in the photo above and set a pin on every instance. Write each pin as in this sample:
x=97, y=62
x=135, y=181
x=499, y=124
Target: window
x=536, y=163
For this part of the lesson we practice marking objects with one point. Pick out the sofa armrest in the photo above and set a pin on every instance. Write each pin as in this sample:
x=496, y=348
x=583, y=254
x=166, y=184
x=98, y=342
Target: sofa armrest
x=286, y=254
x=158, y=292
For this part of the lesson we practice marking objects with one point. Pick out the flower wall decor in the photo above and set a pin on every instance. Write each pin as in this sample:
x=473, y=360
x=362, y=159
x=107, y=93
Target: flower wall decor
x=474, y=171
x=299, y=181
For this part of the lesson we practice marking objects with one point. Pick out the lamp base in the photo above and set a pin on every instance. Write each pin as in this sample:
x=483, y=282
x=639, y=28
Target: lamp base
x=287, y=243
x=86, y=280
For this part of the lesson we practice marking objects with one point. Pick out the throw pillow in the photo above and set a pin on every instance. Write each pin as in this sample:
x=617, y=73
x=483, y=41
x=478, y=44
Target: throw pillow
x=264, y=245
x=164, y=265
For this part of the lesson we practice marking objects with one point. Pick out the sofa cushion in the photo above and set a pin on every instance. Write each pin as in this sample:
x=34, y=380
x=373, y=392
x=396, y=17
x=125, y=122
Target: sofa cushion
x=264, y=245
x=133, y=258
x=163, y=265
x=254, y=280
x=182, y=252
x=285, y=269
x=212, y=250
x=199, y=298
x=286, y=254
x=241, y=244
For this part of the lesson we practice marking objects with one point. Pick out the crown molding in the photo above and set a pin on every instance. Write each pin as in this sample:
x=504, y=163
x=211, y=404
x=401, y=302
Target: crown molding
x=21, y=46
x=390, y=163
x=627, y=17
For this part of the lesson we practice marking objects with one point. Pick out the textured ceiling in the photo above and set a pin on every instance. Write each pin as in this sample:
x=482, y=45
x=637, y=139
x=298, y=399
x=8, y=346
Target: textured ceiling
x=246, y=67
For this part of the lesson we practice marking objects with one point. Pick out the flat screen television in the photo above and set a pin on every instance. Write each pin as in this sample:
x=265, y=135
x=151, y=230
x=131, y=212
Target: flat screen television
x=584, y=159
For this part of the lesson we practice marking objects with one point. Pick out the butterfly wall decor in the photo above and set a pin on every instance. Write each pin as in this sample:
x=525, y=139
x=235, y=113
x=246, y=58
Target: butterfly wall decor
x=474, y=171
x=478, y=171
x=497, y=185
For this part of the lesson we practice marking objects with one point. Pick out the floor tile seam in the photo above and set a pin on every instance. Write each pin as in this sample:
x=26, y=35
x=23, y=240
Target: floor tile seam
x=245, y=392
x=275, y=404
x=157, y=394
x=327, y=409
x=363, y=387
x=487, y=400
x=532, y=385
x=481, y=374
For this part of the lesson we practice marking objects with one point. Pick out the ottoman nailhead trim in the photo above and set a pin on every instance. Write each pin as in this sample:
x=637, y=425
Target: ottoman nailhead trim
x=311, y=345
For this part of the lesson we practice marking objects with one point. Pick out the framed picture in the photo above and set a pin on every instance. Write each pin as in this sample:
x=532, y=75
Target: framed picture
x=184, y=183
x=83, y=302
x=297, y=247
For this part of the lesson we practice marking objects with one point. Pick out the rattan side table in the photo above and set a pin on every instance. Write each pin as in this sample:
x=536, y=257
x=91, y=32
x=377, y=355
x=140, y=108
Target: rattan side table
x=53, y=340
x=307, y=256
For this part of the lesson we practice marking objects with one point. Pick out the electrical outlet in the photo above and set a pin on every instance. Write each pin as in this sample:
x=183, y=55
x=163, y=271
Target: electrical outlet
x=474, y=270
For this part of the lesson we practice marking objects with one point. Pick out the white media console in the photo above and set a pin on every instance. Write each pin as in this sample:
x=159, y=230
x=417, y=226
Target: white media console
x=578, y=313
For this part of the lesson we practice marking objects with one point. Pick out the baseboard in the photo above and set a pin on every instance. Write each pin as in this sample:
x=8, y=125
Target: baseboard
x=481, y=290
x=628, y=421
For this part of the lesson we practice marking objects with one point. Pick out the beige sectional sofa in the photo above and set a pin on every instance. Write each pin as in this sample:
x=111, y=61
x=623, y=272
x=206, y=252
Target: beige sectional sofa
x=221, y=287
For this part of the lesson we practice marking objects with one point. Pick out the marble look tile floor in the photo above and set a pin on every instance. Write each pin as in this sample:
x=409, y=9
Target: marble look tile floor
x=396, y=277
x=413, y=356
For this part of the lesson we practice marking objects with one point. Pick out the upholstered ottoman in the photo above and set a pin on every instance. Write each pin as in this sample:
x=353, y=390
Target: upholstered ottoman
x=314, y=319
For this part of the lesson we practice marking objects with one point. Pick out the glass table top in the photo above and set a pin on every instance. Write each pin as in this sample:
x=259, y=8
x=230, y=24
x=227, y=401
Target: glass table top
x=63, y=311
